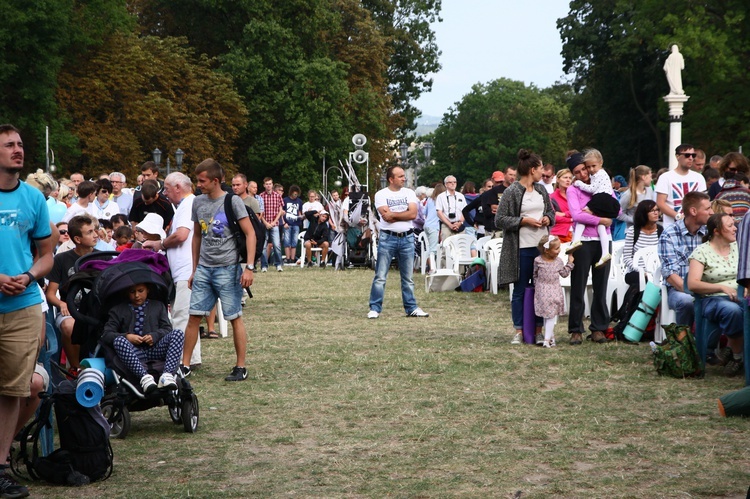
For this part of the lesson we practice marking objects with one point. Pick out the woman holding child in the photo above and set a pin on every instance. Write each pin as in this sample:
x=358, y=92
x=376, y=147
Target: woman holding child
x=524, y=214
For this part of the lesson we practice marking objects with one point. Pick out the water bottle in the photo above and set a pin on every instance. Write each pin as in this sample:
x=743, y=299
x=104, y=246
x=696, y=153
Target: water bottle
x=653, y=346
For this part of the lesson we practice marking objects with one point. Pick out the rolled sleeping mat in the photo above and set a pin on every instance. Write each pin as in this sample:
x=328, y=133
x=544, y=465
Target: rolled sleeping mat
x=641, y=317
x=529, y=317
x=99, y=364
x=736, y=403
x=90, y=387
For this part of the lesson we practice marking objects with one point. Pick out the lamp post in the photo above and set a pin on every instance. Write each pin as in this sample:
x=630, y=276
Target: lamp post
x=178, y=156
x=426, y=149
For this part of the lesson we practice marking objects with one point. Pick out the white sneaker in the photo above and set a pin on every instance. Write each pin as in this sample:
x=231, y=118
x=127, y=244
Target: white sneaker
x=264, y=269
x=516, y=339
x=372, y=314
x=418, y=312
x=167, y=382
x=279, y=268
x=148, y=384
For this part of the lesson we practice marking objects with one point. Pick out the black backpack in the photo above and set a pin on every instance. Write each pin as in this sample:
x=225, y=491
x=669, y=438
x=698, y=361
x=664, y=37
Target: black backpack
x=260, y=230
x=85, y=454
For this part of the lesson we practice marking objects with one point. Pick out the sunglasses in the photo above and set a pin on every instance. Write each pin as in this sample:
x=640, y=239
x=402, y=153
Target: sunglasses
x=689, y=154
x=546, y=176
x=732, y=170
x=63, y=232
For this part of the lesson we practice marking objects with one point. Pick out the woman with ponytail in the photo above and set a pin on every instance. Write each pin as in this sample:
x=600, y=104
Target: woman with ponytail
x=639, y=190
x=524, y=215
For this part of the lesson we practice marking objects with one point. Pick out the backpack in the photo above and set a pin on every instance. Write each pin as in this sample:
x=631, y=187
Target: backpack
x=258, y=226
x=85, y=454
x=678, y=355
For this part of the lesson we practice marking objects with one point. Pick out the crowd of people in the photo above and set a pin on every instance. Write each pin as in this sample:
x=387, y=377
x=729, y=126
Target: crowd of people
x=553, y=223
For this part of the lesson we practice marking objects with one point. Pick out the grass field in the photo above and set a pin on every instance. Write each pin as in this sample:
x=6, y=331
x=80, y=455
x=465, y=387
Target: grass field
x=336, y=405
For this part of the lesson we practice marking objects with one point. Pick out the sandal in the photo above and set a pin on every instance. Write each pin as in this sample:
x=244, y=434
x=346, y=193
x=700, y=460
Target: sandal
x=203, y=334
x=212, y=335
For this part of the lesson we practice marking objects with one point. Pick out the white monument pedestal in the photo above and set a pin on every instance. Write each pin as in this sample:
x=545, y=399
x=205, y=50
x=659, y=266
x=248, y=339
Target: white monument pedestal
x=675, y=102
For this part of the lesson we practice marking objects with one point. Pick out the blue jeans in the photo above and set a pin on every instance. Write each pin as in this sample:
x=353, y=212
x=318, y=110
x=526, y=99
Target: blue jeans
x=403, y=249
x=272, y=236
x=726, y=313
x=291, y=234
x=526, y=272
x=682, y=304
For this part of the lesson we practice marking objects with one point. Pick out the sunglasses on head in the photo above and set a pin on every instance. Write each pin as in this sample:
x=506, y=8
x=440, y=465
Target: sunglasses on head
x=689, y=154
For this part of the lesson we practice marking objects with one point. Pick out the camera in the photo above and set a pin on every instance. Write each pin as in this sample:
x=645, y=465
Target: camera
x=451, y=215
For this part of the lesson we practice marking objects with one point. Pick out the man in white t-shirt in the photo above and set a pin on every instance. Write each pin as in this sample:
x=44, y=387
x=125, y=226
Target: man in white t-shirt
x=449, y=206
x=673, y=185
x=178, y=189
x=397, y=207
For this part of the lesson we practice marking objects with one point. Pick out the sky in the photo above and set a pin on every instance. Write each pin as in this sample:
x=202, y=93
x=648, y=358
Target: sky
x=483, y=40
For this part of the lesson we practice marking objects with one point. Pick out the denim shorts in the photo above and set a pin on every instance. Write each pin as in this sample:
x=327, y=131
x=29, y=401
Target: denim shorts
x=210, y=283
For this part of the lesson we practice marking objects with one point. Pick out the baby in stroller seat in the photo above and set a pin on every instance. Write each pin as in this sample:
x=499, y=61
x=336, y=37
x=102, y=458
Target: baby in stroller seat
x=139, y=330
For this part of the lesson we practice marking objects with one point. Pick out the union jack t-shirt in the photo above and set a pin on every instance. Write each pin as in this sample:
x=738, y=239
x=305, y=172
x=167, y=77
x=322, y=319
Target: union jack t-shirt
x=675, y=186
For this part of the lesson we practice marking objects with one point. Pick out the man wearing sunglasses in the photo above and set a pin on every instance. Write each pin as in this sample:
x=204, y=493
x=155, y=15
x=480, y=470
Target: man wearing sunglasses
x=548, y=178
x=673, y=185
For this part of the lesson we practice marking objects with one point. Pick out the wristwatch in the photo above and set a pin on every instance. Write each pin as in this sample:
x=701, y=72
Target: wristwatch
x=31, y=277
x=250, y=267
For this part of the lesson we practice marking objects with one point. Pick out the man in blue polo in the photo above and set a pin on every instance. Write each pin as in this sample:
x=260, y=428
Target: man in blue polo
x=24, y=220
x=397, y=207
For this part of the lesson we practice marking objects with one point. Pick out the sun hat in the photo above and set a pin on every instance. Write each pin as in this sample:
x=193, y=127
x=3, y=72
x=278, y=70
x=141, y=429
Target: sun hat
x=152, y=224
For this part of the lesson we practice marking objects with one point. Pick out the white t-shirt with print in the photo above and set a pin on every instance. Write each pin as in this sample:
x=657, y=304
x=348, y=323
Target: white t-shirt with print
x=398, y=202
x=675, y=186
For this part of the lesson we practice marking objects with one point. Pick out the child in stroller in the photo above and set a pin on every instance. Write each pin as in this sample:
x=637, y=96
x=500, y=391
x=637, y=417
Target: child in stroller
x=139, y=331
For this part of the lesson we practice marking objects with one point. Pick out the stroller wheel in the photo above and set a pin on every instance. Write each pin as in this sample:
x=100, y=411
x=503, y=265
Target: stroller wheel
x=175, y=412
x=119, y=421
x=190, y=413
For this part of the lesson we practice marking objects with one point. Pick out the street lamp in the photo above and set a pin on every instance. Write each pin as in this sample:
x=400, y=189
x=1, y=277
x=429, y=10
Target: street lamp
x=178, y=156
x=426, y=149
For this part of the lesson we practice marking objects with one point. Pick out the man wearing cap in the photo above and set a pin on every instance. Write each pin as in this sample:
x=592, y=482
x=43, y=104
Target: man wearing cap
x=317, y=235
x=489, y=201
x=477, y=206
x=397, y=207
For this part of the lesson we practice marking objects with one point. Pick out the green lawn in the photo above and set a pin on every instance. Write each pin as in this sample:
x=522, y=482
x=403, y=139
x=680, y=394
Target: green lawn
x=336, y=405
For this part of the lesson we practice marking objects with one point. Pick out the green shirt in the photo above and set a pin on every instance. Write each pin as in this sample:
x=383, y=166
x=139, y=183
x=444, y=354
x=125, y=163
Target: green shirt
x=717, y=269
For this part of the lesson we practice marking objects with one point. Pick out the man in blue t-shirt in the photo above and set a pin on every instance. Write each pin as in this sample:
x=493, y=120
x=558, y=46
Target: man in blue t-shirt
x=293, y=218
x=24, y=220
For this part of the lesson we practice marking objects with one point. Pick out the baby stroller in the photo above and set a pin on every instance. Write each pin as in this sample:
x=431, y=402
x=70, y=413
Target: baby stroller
x=100, y=285
x=358, y=245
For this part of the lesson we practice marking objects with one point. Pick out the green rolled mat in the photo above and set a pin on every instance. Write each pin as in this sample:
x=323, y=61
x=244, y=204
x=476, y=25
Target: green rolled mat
x=735, y=403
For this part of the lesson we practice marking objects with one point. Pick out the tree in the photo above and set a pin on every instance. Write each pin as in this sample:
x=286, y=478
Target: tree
x=616, y=50
x=38, y=38
x=414, y=51
x=134, y=94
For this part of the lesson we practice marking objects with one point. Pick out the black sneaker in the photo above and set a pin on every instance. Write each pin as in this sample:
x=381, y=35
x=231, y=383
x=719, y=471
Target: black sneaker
x=11, y=489
x=237, y=374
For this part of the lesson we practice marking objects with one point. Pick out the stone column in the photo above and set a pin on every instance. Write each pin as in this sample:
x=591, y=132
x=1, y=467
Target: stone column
x=675, y=102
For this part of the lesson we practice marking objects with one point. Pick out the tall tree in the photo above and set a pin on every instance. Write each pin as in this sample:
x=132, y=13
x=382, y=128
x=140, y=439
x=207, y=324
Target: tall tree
x=38, y=38
x=485, y=130
x=137, y=93
x=616, y=51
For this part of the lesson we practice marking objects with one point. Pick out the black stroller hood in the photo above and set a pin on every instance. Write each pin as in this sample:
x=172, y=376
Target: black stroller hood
x=113, y=281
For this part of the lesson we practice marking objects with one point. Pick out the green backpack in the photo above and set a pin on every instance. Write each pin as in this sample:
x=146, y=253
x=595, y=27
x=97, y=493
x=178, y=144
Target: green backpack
x=678, y=355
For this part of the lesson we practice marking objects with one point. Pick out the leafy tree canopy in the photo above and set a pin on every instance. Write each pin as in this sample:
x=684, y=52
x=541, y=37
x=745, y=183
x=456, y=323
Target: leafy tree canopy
x=485, y=130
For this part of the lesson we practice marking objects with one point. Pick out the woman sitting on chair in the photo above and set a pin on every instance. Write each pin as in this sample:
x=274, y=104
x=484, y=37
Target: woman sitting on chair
x=713, y=273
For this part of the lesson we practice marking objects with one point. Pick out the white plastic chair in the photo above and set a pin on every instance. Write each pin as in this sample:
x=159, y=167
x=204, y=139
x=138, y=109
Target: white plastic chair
x=480, y=246
x=646, y=260
x=492, y=250
x=457, y=250
x=616, y=285
x=315, y=251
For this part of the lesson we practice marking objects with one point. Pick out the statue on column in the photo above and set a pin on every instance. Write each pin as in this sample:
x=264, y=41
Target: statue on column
x=673, y=67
